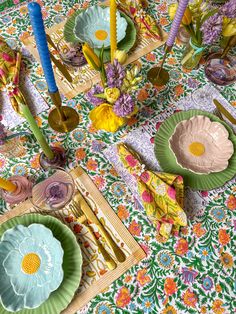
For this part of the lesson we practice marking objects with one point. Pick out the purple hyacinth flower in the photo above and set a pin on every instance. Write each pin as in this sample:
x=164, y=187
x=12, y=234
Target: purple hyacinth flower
x=212, y=28
x=97, y=89
x=229, y=9
x=115, y=74
x=124, y=106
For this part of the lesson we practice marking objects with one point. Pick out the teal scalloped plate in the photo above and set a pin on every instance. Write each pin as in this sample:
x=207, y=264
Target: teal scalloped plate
x=167, y=161
x=125, y=44
x=72, y=263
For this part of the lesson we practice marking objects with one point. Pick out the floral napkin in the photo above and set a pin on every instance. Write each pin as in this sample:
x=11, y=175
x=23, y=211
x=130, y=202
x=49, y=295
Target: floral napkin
x=147, y=24
x=162, y=194
x=10, y=63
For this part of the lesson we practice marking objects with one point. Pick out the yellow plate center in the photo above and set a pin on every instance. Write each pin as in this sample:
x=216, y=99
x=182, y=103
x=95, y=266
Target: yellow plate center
x=101, y=34
x=197, y=149
x=30, y=263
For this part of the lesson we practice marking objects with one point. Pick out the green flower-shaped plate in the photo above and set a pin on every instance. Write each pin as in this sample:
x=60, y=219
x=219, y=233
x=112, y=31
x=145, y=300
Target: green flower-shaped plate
x=72, y=263
x=167, y=161
x=125, y=44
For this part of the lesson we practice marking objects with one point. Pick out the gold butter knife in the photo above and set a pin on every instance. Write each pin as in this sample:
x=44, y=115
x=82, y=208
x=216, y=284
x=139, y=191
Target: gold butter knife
x=224, y=111
x=79, y=199
x=57, y=63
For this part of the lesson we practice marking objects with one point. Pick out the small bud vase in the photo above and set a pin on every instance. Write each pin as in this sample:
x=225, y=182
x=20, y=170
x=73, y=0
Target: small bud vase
x=192, y=55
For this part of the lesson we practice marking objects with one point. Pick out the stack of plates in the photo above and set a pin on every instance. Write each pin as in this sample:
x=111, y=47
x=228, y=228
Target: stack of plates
x=40, y=265
x=198, y=174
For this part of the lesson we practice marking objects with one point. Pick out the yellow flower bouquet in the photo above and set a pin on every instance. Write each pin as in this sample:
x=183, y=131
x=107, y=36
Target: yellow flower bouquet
x=113, y=102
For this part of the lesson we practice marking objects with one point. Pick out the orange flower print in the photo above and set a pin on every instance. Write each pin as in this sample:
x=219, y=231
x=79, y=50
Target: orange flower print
x=218, y=288
x=134, y=228
x=122, y=212
x=39, y=71
x=128, y=278
x=231, y=202
x=169, y=310
x=171, y=61
x=150, y=57
x=23, y=10
x=123, y=297
x=227, y=260
x=113, y=172
x=35, y=162
x=181, y=247
x=216, y=307
x=57, y=7
x=233, y=103
x=38, y=121
x=11, y=30
x=99, y=182
x=92, y=164
x=203, y=310
x=179, y=90
x=80, y=154
x=198, y=230
x=142, y=94
x=164, y=21
x=170, y=286
x=142, y=278
x=189, y=298
x=70, y=12
x=224, y=237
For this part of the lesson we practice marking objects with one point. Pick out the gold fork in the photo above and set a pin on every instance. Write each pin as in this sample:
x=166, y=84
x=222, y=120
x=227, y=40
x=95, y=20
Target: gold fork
x=77, y=212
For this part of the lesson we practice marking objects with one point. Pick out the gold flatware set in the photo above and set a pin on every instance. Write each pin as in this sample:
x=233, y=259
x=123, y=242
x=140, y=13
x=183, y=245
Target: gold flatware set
x=83, y=213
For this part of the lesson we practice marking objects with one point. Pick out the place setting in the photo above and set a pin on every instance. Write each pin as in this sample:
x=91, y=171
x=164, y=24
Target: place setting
x=117, y=157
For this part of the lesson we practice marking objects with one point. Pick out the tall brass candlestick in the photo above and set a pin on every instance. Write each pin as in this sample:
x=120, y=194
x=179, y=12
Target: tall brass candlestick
x=113, y=35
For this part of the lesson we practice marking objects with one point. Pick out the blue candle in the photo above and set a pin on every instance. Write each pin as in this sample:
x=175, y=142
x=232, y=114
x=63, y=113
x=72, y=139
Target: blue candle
x=41, y=43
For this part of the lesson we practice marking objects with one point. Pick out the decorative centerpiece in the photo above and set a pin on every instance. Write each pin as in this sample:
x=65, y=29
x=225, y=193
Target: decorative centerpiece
x=205, y=23
x=113, y=100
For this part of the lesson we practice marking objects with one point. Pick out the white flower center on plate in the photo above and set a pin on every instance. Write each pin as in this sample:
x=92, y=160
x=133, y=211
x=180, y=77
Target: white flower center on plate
x=196, y=149
x=30, y=263
x=100, y=34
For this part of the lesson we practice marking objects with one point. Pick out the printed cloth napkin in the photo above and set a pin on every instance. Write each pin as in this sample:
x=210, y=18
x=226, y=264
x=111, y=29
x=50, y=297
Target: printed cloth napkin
x=146, y=23
x=10, y=63
x=162, y=194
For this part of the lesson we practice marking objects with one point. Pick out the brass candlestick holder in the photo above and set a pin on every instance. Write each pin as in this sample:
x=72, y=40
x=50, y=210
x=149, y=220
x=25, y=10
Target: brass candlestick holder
x=157, y=75
x=62, y=119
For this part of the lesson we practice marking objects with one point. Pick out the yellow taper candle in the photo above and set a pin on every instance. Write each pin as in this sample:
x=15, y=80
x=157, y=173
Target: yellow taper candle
x=113, y=28
x=7, y=185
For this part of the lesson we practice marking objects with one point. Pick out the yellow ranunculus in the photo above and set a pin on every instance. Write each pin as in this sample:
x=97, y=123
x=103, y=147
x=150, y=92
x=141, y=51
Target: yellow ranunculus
x=112, y=94
x=104, y=118
x=229, y=27
x=187, y=18
x=121, y=56
x=91, y=57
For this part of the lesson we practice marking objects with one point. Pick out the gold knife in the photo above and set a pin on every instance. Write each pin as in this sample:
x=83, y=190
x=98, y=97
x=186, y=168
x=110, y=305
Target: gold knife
x=57, y=63
x=80, y=201
x=224, y=111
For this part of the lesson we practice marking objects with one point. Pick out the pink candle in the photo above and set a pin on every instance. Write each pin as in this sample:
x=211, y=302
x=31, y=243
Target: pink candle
x=176, y=23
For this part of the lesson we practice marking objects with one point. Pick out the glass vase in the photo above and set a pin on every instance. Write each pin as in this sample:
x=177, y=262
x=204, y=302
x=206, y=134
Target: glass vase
x=192, y=55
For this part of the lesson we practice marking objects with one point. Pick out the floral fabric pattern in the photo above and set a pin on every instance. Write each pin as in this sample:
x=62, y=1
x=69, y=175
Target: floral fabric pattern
x=201, y=260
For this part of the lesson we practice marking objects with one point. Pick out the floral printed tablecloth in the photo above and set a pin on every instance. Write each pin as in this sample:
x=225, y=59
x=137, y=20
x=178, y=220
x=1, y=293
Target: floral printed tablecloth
x=194, y=273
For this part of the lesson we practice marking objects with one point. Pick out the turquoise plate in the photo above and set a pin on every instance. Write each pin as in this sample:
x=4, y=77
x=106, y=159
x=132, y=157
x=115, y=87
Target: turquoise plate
x=72, y=263
x=125, y=44
x=167, y=161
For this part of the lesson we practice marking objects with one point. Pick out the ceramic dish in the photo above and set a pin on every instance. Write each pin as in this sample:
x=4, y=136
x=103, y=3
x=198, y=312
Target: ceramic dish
x=72, y=262
x=93, y=26
x=167, y=160
x=125, y=44
x=201, y=145
x=30, y=266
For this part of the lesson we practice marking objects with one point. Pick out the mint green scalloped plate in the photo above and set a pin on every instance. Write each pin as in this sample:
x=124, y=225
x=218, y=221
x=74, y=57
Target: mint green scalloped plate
x=167, y=161
x=72, y=263
x=125, y=44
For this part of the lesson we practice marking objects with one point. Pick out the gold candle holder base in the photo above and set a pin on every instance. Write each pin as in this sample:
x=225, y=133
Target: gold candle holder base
x=63, y=126
x=62, y=119
x=158, y=76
